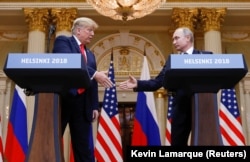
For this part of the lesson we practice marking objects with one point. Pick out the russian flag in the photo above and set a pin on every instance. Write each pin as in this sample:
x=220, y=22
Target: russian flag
x=146, y=130
x=16, y=145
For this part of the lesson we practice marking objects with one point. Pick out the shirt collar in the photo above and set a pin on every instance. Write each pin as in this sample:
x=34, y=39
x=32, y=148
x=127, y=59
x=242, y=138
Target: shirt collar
x=77, y=40
x=190, y=50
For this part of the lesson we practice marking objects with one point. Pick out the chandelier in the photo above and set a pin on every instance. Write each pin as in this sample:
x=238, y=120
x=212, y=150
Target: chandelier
x=125, y=9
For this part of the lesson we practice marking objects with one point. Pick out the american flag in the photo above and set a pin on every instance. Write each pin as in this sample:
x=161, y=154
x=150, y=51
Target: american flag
x=108, y=141
x=169, y=120
x=230, y=120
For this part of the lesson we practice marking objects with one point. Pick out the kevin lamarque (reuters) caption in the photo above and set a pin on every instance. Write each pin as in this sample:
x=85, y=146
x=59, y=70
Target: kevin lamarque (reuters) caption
x=188, y=153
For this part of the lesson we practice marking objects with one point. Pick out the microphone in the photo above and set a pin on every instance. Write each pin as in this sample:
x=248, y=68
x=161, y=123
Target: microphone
x=29, y=92
x=52, y=29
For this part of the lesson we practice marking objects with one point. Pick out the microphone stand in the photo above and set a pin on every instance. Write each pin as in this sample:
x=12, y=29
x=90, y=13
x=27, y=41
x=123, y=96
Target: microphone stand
x=52, y=29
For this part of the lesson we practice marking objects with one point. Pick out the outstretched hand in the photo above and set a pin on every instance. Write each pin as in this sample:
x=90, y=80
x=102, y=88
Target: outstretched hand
x=129, y=84
x=102, y=78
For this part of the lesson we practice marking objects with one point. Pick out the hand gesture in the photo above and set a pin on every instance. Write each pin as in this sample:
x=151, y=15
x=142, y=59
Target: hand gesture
x=129, y=84
x=102, y=78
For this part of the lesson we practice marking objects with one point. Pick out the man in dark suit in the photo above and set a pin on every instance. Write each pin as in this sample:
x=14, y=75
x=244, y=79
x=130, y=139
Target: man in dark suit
x=183, y=41
x=79, y=109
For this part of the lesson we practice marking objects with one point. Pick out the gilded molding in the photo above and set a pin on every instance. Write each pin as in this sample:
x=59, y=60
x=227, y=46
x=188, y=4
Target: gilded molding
x=36, y=18
x=211, y=19
x=63, y=18
x=207, y=1
x=43, y=1
x=124, y=59
x=167, y=1
x=185, y=17
x=236, y=36
x=13, y=35
x=128, y=50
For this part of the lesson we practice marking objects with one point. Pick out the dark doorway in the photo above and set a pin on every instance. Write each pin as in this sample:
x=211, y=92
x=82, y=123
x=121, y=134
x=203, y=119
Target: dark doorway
x=126, y=117
x=126, y=114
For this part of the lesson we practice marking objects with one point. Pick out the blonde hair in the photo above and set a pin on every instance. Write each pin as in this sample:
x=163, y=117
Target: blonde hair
x=83, y=22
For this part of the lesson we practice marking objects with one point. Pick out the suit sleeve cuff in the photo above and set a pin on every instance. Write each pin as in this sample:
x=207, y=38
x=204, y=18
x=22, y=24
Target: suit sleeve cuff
x=93, y=76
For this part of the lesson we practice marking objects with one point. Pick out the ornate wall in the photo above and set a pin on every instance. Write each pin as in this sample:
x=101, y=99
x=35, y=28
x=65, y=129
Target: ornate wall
x=128, y=43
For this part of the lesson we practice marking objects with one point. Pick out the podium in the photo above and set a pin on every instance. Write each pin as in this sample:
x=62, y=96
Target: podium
x=203, y=76
x=46, y=75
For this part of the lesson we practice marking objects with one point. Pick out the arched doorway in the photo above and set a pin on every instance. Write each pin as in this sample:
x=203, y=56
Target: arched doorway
x=128, y=50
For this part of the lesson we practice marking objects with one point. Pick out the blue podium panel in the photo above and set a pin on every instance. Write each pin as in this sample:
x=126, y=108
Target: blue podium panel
x=47, y=72
x=204, y=72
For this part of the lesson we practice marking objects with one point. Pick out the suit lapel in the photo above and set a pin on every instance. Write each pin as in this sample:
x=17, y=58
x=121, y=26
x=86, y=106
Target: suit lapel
x=76, y=46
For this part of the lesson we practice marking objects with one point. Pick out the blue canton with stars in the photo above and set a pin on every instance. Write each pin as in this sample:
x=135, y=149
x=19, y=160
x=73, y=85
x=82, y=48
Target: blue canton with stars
x=110, y=104
x=228, y=98
x=170, y=106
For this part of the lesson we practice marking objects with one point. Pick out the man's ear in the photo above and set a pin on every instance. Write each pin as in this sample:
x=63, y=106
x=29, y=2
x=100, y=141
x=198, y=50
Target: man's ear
x=188, y=37
x=78, y=30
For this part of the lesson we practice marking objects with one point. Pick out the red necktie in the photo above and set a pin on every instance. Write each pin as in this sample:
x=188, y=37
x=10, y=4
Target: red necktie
x=83, y=52
x=81, y=90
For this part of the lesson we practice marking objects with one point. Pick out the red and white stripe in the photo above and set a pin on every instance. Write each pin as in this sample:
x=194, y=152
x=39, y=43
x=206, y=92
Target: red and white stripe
x=231, y=128
x=108, y=140
x=230, y=120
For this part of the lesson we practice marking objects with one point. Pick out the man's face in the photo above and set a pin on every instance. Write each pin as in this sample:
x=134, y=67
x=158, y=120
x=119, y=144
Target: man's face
x=85, y=35
x=180, y=41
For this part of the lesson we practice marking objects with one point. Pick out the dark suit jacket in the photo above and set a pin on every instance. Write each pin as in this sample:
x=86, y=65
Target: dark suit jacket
x=157, y=82
x=64, y=44
x=182, y=106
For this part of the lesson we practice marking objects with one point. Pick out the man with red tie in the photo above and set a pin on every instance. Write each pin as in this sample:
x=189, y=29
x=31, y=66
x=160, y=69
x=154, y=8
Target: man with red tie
x=79, y=108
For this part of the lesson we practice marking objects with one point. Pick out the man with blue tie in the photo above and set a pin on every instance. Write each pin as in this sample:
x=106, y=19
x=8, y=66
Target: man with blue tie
x=80, y=108
x=183, y=41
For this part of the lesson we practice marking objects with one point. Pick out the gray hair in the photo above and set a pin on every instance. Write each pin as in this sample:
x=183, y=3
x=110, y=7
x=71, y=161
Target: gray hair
x=83, y=22
x=188, y=32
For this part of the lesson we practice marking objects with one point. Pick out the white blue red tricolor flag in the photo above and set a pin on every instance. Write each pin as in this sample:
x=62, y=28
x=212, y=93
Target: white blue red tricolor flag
x=146, y=129
x=16, y=145
x=108, y=141
x=230, y=119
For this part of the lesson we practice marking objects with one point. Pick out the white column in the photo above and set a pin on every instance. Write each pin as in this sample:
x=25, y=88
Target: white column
x=245, y=106
x=242, y=107
x=36, y=44
x=213, y=41
x=211, y=20
x=247, y=116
